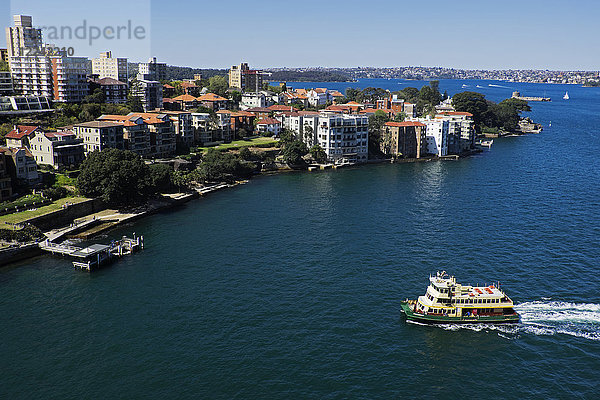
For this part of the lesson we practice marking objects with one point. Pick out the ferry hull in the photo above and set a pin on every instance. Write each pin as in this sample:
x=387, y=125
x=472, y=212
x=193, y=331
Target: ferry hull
x=442, y=319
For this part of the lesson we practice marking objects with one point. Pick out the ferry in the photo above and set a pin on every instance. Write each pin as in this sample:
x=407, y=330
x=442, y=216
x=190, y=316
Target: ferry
x=447, y=302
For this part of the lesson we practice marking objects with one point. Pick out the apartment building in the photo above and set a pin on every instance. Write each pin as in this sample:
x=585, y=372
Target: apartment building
x=70, y=84
x=437, y=136
x=100, y=135
x=59, y=149
x=245, y=79
x=461, y=131
x=106, y=66
x=150, y=93
x=343, y=137
x=404, y=139
x=32, y=75
x=23, y=37
x=268, y=126
x=182, y=125
x=115, y=92
x=152, y=70
x=202, y=123
x=136, y=137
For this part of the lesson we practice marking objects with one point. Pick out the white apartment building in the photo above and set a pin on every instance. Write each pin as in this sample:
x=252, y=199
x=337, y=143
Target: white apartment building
x=59, y=149
x=461, y=131
x=202, y=125
x=437, y=136
x=107, y=67
x=251, y=100
x=32, y=75
x=343, y=137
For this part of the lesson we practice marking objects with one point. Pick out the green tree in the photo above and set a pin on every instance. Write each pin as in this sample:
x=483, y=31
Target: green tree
x=318, y=154
x=118, y=177
x=471, y=102
x=218, y=85
x=376, y=122
x=96, y=97
x=4, y=66
x=160, y=177
x=517, y=104
x=293, y=152
x=222, y=167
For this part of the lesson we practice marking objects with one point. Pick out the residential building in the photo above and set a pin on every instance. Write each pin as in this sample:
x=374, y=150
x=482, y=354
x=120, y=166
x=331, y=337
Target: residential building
x=202, y=123
x=161, y=131
x=32, y=75
x=115, y=91
x=149, y=92
x=100, y=135
x=136, y=135
x=23, y=37
x=69, y=81
x=404, y=139
x=21, y=135
x=186, y=102
x=268, y=126
x=152, y=70
x=259, y=112
x=437, y=136
x=21, y=165
x=246, y=79
x=107, y=67
x=5, y=181
x=190, y=88
x=223, y=132
x=317, y=97
x=242, y=123
x=59, y=149
x=461, y=131
x=251, y=100
x=183, y=128
x=6, y=85
x=213, y=101
x=343, y=137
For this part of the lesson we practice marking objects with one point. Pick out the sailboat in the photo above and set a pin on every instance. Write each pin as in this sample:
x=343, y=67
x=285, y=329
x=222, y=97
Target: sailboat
x=566, y=96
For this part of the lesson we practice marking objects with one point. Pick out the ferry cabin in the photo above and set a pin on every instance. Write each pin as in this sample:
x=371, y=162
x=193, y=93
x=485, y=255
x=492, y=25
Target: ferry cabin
x=445, y=297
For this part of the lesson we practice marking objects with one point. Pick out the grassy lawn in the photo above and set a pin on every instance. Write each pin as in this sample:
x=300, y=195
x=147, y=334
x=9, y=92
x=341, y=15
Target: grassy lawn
x=64, y=180
x=238, y=144
x=15, y=218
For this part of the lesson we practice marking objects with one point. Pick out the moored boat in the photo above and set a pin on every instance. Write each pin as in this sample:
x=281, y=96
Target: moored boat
x=447, y=301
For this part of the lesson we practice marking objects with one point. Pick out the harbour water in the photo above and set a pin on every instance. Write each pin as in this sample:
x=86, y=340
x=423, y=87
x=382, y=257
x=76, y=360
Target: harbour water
x=290, y=286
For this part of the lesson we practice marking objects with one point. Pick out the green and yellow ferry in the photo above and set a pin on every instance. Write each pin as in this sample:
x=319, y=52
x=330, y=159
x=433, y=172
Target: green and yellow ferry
x=448, y=302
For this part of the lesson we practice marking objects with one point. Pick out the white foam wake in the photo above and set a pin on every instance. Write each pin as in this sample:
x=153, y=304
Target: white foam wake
x=546, y=318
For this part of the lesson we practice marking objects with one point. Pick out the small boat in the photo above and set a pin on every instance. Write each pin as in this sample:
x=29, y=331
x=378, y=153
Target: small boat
x=566, y=96
x=448, y=302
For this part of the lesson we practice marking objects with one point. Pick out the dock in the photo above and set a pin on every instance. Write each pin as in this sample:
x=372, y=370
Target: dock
x=95, y=255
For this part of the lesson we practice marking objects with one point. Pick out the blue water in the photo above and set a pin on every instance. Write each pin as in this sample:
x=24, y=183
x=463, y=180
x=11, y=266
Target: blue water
x=290, y=286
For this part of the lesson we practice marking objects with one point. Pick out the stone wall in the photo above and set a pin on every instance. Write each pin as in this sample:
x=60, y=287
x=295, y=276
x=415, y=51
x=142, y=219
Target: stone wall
x=15, y=254
x=66, y=215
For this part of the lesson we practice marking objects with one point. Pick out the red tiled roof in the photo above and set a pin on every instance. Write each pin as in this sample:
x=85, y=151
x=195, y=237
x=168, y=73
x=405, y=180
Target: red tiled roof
x=167, y=86
x=187, y=85
x=280, y=107
x=405, y=123
x=258, y=110
x=22, y=130
x=211, y=97
x=184, y=97
x=268, y=121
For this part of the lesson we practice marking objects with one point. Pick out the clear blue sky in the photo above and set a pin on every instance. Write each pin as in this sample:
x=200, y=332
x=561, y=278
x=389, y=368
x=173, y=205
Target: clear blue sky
x=462, y=34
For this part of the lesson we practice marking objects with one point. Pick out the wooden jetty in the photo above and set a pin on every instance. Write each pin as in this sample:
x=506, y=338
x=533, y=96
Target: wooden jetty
x=95, y=255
